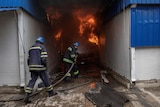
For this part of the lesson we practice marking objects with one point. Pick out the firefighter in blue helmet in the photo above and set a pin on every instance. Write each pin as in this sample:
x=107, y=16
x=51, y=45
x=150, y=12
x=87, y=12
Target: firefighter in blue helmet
x=37, y=62
x=69, y=58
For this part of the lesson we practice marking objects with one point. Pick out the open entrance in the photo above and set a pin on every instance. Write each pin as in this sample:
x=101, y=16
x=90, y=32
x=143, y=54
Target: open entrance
x=80, y=21
x=72, y=21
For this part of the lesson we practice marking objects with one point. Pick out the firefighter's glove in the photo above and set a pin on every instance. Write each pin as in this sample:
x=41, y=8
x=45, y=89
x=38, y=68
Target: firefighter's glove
x=75, y=59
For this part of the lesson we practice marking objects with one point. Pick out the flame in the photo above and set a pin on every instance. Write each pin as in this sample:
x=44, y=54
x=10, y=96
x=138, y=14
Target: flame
x=88, y=22
x=93, y=38
x=58, y=35
x=85, y=23
x=92, y=85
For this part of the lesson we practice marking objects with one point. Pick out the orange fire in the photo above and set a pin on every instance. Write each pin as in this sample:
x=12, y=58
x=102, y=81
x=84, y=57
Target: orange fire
x=92, y=85
x=88, y=23
x=58, y=35
x=93, y=38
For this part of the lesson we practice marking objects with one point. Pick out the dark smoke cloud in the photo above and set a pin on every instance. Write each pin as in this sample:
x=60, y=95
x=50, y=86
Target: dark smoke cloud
x=62, y=16
x=70, y=3
x=67, y=22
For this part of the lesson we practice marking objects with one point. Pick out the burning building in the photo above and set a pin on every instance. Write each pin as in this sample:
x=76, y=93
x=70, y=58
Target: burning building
x=123, y=35
x=72, y=21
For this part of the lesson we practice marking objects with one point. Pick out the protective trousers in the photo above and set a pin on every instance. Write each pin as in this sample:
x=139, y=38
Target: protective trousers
x=34, y=76
x=75, y=71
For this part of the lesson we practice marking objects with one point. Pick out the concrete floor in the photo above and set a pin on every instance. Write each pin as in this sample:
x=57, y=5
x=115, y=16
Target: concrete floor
x=74, y=97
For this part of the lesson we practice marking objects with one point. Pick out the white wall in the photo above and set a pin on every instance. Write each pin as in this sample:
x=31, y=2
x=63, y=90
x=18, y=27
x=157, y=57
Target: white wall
x=147, y=63
x=9, y=63
x=18, y=31
x=115, y=44
x=31, y=29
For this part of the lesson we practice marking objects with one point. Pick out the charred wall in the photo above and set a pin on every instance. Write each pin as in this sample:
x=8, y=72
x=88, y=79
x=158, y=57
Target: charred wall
x=72, y=20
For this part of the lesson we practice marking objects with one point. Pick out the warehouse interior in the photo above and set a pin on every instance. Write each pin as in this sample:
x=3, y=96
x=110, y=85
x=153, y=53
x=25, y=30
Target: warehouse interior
x=72, y=21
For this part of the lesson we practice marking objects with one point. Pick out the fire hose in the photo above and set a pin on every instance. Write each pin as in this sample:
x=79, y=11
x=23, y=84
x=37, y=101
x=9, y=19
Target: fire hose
x=35, y=93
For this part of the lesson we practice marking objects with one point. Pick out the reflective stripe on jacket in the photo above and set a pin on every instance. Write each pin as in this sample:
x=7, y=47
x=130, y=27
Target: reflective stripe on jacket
x=37, y=57
x=67, y=60
x=70, y=55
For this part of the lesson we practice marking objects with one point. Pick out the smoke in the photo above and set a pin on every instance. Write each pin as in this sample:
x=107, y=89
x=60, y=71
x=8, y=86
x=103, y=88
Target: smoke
x=63, y=16
x=70, y=3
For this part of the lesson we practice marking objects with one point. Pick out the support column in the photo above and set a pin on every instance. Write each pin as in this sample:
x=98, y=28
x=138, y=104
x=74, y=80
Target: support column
x=133, y=71
x=19, y=18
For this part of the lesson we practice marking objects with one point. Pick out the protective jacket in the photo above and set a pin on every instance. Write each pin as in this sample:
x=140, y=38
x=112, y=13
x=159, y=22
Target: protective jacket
x=37, y=59
x=71, y=55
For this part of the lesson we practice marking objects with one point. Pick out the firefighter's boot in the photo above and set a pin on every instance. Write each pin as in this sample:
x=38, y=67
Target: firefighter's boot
x=26, y=99
x=67, y=79
x=76, y=76
x=52, y=93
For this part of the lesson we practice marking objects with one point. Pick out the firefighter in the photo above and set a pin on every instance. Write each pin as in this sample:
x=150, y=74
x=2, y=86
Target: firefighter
x=70, y=57
x=37, y=62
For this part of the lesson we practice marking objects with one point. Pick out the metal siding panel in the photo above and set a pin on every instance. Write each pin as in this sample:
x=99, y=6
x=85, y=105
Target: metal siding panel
x=139, y=29
x=157, y=1
x=10, y=3
x=145, y=26
x=127, y=2
x=150, y=26
x=131, y=1
x=133, y=30
x=7, y=9
x=31, y=6
x=144, y=1
x=119, y=5
x=157, y=24
x=15, y=3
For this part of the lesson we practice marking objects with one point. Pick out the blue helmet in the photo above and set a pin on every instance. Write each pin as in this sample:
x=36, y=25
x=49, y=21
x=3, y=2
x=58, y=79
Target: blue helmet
x=40, y=39
x=76, y=43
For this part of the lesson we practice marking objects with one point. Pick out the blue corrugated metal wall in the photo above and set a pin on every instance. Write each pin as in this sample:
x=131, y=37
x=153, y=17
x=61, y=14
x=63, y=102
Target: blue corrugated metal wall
x=145, y=26
x=119, y=5
x=116, y=7
x=145, y=20
x=144, y=1
x=31, y=6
